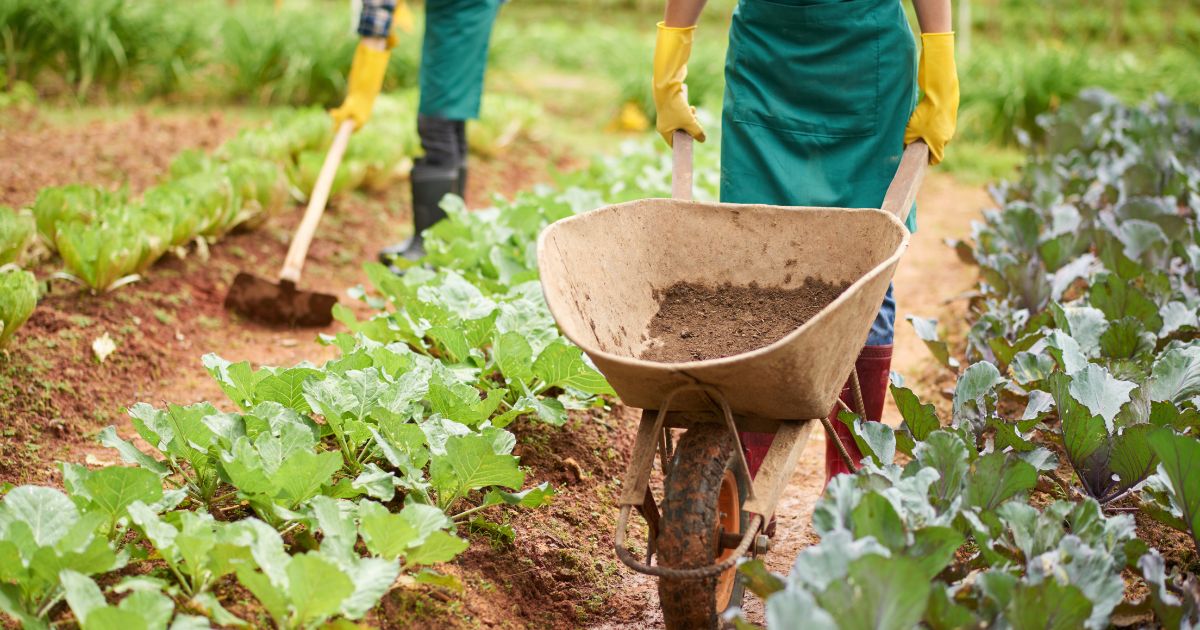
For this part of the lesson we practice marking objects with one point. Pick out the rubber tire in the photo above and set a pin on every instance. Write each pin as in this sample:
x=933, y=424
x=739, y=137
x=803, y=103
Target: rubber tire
x=688, y=525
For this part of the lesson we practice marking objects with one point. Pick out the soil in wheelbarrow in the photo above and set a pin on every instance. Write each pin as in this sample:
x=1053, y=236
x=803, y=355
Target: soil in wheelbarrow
x=695, y=322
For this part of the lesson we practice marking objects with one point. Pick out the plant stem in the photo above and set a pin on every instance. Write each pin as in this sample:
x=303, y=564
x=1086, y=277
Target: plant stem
x=474, y=509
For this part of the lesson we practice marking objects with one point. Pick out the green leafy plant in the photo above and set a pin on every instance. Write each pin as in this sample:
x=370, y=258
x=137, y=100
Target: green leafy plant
x=18, y=297
x=42, y=534
x=16, y=233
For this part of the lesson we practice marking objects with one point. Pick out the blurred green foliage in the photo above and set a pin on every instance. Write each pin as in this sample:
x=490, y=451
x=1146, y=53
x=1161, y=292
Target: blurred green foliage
x=199, y=50
x=1025, y=57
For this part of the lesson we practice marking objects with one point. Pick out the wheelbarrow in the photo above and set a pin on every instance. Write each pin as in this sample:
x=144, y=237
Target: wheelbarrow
x=600, y=271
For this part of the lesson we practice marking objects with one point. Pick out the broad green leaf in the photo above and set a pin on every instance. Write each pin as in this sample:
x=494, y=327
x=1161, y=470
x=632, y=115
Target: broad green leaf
x=920, y=419
x=301, y=475
x=537, y=496
x=471, y=464
x=237, y=380
x=1066, y=351
x=1125, y=339
x=114, y=488
x=1009, y=435
x=975, y=386
x=1118, y=299
x=1132, y=458
x=1039, y=403
x=818, y=566
x=1165, y=414
x=316, y=587
x=1083, y=432
x=47, y=513
x=945, y=614
x=273, y=598
x=561, y=365
x=286, y=387
x=376, y=482
x=759, y=580
x=83, y=596
x=1178, y=316
x=927, y=332
x=1168, y=608
x=1028, y=367
x=130, y=453
x=548, y=410
x=1180, y=457
x=372, y=578
x=878, y=594
x=452, y=341
x=393, y=535
x=934, y=547
x=514, y=357
x=439, y=547
x=1085, y=324
x=879, y=438
x=996, y=478
x=1175, y=376
x=874, y=516
x=1048, y=606
x=461, y=403
x=152, y=607
x=1099, y=392
x=795, y=606
x=946, y=453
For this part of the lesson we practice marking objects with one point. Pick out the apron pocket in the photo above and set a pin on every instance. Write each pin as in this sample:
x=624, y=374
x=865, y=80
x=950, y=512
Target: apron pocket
x=809, y=69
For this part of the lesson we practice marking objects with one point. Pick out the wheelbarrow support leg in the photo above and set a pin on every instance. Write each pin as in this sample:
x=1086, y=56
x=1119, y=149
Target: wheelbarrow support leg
x=777, y=468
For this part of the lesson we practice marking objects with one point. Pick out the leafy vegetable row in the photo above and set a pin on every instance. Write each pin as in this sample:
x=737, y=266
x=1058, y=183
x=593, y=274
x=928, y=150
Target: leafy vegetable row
x=324, y=483
x=1084, y=333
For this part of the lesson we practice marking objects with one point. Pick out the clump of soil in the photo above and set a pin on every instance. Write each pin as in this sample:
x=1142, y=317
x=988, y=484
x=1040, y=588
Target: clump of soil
x=696, y=322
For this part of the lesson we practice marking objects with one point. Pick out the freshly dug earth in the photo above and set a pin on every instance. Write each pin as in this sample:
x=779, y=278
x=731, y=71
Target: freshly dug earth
x=696, y=322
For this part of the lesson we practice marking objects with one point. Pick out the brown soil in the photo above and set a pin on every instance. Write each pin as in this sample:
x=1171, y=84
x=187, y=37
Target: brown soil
x=133, y=151
x=695, y=322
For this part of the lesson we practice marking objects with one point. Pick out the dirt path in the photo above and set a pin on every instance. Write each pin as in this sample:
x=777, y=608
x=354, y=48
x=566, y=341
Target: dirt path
x=929, y=278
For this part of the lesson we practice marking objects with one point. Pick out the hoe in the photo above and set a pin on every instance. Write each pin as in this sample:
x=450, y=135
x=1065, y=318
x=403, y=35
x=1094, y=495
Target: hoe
x=281, y=302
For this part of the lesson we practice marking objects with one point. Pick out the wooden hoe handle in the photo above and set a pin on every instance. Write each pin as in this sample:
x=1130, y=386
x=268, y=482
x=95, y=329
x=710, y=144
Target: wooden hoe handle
x=903, y=190
x=298, y=250
x=681, y=171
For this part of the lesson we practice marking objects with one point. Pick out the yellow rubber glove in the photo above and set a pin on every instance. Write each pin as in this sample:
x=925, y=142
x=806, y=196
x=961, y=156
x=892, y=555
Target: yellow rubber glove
x=402, y=17
x=936, y=115
x=364, y=84
x=671, y=52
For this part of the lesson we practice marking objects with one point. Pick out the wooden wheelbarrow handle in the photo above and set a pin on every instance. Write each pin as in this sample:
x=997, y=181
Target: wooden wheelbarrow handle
x=900, y=194
x=298, y=250
x=903, y=190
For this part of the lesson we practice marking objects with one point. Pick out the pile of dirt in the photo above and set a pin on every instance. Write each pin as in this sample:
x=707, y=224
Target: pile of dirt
x=696, y=322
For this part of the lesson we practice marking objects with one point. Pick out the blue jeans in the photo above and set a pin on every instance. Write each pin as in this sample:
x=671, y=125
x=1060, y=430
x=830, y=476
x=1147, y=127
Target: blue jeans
x=883, y=329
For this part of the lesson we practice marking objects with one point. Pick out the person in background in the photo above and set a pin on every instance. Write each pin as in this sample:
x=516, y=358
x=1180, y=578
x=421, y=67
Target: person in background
x=820, y=100
x=453, y=60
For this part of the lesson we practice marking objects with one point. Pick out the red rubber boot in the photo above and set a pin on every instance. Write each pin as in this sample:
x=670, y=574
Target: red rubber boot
x=873, y=365
x=755, y=447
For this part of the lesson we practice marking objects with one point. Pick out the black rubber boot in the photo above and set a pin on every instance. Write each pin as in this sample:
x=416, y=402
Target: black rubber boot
x=429, y=185
x=460, y=187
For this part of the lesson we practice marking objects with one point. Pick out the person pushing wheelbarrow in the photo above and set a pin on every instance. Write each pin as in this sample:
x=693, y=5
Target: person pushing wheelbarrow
x=453, y=60
x=820, y=100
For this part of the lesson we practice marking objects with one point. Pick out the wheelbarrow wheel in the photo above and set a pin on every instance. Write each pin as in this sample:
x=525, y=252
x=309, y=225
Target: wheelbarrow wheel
x=702, y=498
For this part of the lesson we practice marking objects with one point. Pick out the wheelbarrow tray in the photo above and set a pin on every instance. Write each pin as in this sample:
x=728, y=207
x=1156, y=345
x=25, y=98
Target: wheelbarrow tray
x=600, y=272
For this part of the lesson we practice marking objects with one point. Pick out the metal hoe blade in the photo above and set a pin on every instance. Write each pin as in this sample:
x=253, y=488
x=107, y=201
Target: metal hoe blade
x=279, y=303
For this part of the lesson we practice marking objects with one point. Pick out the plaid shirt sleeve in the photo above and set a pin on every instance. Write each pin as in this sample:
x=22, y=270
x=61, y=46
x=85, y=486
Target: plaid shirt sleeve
x=376, y=18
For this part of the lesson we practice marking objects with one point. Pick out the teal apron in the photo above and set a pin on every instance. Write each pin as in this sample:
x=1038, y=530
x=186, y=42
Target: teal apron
x=454, y=56
x=817, y=95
